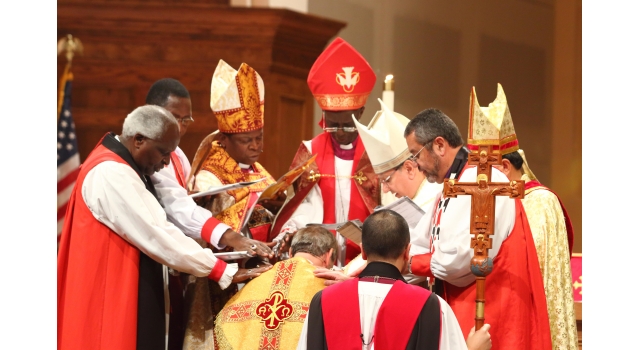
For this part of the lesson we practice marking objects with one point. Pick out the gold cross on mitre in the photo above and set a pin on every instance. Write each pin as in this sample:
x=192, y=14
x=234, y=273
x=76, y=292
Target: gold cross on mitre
x=484, y=143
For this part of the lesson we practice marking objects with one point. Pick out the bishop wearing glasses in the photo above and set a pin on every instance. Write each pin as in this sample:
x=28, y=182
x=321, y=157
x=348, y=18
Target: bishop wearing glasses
x=341, y=185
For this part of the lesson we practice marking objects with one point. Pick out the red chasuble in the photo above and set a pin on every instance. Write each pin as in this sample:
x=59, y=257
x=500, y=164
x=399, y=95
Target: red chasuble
x=395, y=321
x=515, y=306
x=97, y=305
x=535, y=185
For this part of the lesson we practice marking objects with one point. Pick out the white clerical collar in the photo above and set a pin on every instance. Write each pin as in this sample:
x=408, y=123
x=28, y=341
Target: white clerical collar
x=244, y=166
x=349, y=146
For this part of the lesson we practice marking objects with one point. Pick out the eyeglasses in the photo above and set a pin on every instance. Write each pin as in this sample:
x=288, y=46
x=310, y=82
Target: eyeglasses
x=414, y=157
x=388, y=178
x=345, y=129
x=185, y=121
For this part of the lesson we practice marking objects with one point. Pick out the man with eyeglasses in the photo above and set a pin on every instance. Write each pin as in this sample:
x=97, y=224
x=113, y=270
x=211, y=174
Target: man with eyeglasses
x=515, y=298
x=195, y=221
x=398, y=172
x=341, y=186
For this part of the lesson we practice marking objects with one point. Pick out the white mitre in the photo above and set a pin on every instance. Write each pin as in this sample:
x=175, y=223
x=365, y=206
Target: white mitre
x=384, y=140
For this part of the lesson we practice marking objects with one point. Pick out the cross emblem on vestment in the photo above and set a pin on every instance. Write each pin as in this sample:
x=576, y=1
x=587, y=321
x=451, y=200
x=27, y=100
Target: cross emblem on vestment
x=577, y=285
x=483, y=194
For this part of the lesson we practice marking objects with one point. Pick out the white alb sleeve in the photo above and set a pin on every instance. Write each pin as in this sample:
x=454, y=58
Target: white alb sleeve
x=117, y=197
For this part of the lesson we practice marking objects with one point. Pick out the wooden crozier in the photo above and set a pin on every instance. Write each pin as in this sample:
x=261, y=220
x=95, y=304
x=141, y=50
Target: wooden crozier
x=483, y=203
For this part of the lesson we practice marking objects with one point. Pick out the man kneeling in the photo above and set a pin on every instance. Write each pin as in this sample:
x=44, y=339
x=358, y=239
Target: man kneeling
x=394, y=314
x=270, y=310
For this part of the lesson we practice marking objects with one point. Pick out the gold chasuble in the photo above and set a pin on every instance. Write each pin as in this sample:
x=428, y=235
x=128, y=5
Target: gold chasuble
x=547, y=221
x=268, y=313
x=232, y=207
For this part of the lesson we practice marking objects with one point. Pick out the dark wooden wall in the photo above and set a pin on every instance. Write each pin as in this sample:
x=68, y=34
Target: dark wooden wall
x=129, y=45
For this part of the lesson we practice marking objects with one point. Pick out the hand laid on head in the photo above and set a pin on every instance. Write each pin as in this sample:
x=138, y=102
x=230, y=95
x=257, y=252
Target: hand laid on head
x=480, y=339
x=241, y=243
x=331, y=277
x=245, y=274
x=284, y=245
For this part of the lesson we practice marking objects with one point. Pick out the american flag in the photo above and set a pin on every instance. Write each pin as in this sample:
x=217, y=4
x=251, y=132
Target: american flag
x=68, y=157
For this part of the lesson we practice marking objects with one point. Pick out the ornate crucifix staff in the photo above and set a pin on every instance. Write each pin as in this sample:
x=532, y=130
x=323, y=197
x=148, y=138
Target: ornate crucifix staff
x=483, y=192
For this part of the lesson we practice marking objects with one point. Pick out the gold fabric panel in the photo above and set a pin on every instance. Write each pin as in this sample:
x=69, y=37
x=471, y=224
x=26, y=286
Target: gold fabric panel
x=550, y=236
x=231, y=206
x=268, y=313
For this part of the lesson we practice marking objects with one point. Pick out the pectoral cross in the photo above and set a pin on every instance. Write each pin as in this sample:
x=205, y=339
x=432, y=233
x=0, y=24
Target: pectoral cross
x=483, y=194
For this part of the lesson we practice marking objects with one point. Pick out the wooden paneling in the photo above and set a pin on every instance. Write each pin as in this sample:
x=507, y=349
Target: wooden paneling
x=129, y=45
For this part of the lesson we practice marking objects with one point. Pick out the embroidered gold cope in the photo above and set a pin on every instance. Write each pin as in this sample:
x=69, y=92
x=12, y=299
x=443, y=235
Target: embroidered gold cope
x=547, y=223
x=268, y=313
x=231, y=207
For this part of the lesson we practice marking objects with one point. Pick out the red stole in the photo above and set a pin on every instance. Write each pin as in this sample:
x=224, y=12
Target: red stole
x=535, y=185
x=515, y=306
x=97, y=305
x=325, y=159
x=394, y=324
x=177, y=167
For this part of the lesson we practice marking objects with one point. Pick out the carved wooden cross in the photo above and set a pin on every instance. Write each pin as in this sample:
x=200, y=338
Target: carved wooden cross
x=483, y=194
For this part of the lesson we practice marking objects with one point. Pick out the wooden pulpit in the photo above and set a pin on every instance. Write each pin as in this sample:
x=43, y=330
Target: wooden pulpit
x=129, y=45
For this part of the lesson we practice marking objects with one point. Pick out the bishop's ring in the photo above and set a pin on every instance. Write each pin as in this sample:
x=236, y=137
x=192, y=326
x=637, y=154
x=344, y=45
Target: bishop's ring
x=253, y=246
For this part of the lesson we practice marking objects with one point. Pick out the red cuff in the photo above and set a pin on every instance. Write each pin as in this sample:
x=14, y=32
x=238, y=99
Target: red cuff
x=218, y=270
x=207, y=229
x=421, y=265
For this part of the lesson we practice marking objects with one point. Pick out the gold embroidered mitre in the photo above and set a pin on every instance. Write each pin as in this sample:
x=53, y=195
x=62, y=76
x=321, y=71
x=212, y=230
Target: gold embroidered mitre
x=237, y=98
x=491, y=125
x=383, y=139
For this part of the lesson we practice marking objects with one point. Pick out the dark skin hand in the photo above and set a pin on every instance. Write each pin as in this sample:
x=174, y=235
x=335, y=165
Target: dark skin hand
x=245, y=274
x=241, y=243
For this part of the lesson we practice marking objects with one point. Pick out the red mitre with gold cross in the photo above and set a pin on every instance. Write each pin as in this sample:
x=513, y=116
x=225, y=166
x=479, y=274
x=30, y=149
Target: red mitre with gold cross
x=341, y=79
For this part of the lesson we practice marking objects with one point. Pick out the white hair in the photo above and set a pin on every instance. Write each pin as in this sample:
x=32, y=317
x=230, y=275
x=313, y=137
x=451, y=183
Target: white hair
x=148, y=120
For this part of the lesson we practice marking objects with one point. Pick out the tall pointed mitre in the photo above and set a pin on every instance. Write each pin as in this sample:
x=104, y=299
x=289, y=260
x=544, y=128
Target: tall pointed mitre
x=491, y=125
x=341, y=79
x=237, y=98
x=384, y=140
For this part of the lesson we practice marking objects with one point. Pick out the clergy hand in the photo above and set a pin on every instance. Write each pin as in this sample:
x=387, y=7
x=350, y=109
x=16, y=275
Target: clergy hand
x=241, y=243
x=331, y=277
x=282, y=246
x=245, y=274
x=480, y=339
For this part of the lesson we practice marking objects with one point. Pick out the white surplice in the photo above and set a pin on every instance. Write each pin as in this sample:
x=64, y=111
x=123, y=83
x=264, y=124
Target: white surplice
x=181, y=210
